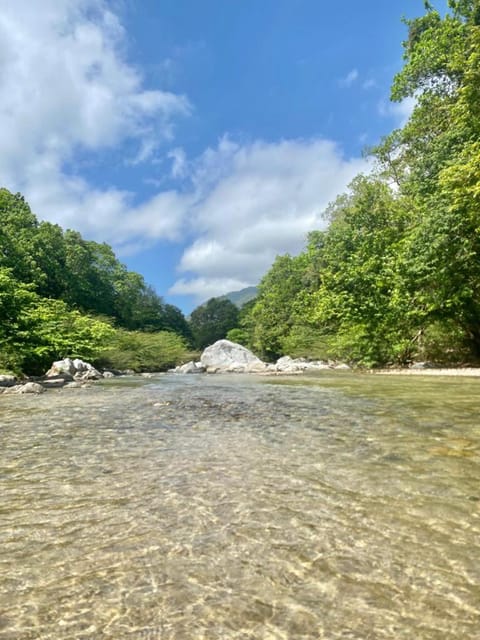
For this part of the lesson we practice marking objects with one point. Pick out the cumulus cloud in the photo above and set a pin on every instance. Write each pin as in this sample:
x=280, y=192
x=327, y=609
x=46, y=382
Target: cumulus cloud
x=253, y=202
x=67, y=92
x=65, y=87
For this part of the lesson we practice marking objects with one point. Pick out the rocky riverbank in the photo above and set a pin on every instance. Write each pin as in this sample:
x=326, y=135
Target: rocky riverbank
x=63, y=373
x=225, y=356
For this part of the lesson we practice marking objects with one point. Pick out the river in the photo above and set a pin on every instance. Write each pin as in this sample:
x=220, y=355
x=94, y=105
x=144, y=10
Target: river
x=338, y=506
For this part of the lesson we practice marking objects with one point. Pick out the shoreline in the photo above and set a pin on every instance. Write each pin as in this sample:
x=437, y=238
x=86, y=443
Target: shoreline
x=472, y=372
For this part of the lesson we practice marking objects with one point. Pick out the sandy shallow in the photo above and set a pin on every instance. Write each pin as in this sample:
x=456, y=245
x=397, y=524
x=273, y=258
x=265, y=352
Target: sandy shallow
x=473, y=372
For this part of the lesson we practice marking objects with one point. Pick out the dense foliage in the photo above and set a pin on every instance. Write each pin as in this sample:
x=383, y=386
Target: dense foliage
x=61, y=295
x=211, y=321
x=396, y=275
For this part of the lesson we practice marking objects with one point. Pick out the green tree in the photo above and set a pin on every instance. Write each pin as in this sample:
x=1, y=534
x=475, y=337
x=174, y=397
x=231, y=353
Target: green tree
x=212, y=321
x=272, y=313
x=142, y=351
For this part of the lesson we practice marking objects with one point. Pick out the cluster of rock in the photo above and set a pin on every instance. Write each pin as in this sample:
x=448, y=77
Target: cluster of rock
x=222, y=357
x=286, y=364
x=62, y=373
x=228, y=357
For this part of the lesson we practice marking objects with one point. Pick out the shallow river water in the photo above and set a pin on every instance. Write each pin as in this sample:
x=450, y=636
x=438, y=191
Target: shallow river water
x=220, y=507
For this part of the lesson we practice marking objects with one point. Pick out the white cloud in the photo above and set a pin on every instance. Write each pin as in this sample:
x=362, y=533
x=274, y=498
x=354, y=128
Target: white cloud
x=400, y=112
x=349, y=79
x=179, y=163
x=256, y=201
x=66, y=87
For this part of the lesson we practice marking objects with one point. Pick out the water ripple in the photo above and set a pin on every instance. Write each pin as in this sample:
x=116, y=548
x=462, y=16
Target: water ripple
x=233, y=507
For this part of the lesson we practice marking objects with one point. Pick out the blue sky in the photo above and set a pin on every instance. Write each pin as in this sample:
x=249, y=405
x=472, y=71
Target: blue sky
x=199, y=138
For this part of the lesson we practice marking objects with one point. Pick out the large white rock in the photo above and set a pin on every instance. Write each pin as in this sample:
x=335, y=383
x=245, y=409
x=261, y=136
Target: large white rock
x=77, y=368
x=224, y=356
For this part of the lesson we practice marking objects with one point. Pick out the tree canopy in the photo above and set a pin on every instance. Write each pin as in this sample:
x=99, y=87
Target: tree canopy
x=396, y=274
x=63, y=295
x=212, y=321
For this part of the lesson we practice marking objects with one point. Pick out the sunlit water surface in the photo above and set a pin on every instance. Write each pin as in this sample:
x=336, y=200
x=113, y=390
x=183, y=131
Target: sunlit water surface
x=218, y=507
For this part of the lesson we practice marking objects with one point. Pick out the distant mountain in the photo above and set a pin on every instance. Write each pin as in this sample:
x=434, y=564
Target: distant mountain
x=239, y=298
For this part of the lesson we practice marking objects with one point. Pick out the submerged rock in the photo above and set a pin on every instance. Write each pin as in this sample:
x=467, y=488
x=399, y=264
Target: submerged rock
x=226, y=356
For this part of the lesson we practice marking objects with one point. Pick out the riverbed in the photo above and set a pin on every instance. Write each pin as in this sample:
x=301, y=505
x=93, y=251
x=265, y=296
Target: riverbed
x=334, y=506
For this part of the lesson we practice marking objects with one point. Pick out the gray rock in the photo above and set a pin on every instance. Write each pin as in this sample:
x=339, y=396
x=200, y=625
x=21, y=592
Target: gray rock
x=76, y=384
x=62, y=366
x=7, y=380
x=318, y=365
x=190, y=367
x=53, y=382
x=81, y=365
x=286, y=364
x=342, y=367
x=15, y=389
x=227, y=356
x=30, y=387
x=78, y=369
x=421, y=365
x=88, y=374
x=108, y=374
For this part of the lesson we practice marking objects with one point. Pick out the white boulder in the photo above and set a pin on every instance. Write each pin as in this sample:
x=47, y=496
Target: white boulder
x=226, y=356
x=78, y=369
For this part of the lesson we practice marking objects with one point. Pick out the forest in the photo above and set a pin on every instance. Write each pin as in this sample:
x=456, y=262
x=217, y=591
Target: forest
x=394, y=277
x=61, y=295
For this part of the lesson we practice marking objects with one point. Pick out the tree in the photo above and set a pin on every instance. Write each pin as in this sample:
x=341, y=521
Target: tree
x=272, y=313
x=440, y=148
x=211, y=321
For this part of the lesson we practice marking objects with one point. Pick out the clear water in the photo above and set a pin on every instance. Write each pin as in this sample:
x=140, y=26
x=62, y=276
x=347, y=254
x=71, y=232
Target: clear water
x=218, y=507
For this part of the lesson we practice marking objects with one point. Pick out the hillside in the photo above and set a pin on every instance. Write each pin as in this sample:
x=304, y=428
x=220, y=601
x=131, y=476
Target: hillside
x=241, y=297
